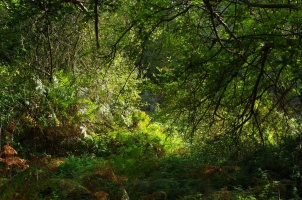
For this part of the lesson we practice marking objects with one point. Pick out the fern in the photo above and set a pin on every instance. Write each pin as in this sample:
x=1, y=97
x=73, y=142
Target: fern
x=11, y=161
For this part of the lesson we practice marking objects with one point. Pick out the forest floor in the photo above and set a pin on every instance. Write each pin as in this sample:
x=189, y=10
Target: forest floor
x=262, y=174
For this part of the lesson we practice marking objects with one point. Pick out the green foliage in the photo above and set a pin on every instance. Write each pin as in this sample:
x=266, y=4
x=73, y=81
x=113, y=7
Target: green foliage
x=221, y=80
x=136, y=152
x=40, y=189
x=77, y=167
x=15, y=92
x=262, y=173
x=225, y=74
x=94, y=144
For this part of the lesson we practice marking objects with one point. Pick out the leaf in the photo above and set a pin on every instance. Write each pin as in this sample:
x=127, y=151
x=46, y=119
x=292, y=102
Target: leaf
x=8, y=151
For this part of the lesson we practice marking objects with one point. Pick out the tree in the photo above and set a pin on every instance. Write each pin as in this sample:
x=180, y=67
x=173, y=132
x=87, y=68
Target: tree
x=224, y=67
x=216, y=67
x=60, y=81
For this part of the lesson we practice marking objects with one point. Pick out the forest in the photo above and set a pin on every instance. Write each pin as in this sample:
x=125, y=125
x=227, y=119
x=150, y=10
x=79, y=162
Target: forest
x=150, y=99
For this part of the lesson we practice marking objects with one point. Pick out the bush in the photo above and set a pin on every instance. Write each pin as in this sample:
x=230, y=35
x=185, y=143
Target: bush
x=77, y=167
x=136, y=152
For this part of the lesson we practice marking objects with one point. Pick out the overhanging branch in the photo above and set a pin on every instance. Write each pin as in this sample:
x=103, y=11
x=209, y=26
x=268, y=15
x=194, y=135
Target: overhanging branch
x=277, y=6
x=78, y=3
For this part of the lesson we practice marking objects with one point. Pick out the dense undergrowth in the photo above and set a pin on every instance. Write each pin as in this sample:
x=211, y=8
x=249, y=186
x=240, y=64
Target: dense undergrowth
x=142, y=163
x=221, y=80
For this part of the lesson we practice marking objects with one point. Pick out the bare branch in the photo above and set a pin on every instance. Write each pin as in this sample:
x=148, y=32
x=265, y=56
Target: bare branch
x=212, y=16
x=78, y=3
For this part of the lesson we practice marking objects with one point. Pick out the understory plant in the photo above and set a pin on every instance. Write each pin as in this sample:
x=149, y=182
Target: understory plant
x=136, y=151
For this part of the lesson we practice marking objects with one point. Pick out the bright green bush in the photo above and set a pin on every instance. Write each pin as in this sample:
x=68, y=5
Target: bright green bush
x=136, y=151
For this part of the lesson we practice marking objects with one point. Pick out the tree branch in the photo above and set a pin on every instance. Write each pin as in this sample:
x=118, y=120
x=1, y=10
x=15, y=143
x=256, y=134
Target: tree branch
x=278, y=6
x=96, y=23
x=212, y=16
x=78, y=3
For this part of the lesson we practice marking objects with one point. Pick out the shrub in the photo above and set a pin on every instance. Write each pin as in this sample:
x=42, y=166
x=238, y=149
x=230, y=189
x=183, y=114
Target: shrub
x=76, y=167
x=136, y=151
